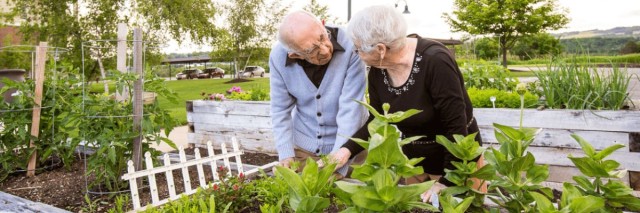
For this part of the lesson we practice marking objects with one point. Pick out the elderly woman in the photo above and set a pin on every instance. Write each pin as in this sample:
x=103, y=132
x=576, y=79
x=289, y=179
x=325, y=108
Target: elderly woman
x=411, y=73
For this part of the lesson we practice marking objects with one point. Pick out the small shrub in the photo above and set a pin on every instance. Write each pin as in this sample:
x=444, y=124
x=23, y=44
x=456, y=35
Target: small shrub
x=482, y=98
x=485, y=75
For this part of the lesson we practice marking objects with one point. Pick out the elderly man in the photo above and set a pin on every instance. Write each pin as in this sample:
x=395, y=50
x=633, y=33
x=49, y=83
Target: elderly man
x=315, y=78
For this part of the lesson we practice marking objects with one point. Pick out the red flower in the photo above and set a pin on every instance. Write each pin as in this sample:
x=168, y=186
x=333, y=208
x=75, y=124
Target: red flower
x=241, y=175
x=215, y=187
x=235, y=187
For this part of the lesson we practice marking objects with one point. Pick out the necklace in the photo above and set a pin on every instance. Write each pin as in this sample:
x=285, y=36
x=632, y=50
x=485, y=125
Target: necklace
x=405, y=87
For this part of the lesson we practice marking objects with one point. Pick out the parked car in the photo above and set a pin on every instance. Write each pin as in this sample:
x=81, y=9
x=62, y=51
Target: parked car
x=251, y=71
x=192, y=73
x=181, y=76
x=212, y=73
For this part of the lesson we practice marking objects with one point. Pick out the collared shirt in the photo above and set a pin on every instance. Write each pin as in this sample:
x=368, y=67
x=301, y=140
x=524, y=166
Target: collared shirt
x=315, y=73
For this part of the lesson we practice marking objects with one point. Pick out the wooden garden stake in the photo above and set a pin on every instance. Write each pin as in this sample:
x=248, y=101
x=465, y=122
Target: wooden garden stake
x=121, y=59
x=137, y=98
x=41, y=56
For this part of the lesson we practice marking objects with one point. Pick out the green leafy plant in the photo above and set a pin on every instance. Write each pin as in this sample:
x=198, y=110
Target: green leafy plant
x=504, y=99
x=485, y=75
x=271, y=192
x=198, y=202
x=574, y=86
x=595, y=168
x=58, y=121
x=384, y=166
x=467, y=150
x=107, y=126
x=232, y=193
x=309, y=191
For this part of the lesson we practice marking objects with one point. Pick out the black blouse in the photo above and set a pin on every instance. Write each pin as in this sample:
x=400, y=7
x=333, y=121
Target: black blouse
x=434, y=86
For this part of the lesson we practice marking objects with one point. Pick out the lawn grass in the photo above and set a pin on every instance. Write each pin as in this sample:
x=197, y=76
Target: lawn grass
x=192, y=90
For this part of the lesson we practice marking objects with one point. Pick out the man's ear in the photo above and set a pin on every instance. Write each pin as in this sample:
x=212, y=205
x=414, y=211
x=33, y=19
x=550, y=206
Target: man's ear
x=295, y=56
x=382, y=50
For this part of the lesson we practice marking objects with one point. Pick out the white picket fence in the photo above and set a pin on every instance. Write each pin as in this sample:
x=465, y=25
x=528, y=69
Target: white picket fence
x=198, y=161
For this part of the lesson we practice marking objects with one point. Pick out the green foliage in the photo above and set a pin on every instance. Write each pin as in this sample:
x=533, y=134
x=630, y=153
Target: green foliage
x=233, y=193
x=507, y=20
x=573, y=86
x=322, y=12
x=615, y=194
x=482, y=99
x=201, y=201
x=58, y=121
x=537, y=45
x=595, y=45
x=383, y=168
x=486, y=48
x=108, y=126
x=485, y=75
x=465, y=149
x=630, y=47
x=14, y=57
x=518, y=175
x=309, y=191
x=271, y=192
x=257, y=94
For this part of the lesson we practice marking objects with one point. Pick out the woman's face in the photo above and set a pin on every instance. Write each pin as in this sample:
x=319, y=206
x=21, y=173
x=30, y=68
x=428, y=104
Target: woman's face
x=371, y=58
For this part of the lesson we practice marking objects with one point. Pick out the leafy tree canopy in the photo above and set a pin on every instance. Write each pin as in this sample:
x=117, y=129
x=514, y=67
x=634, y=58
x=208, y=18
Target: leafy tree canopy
x=506, y=19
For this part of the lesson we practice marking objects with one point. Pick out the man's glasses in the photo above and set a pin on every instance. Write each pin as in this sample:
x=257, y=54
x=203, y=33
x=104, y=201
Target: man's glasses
x=315, y=50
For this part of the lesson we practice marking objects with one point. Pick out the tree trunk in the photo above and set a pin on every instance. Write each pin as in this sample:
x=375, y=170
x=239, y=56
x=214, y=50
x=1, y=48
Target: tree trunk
x=503, y=49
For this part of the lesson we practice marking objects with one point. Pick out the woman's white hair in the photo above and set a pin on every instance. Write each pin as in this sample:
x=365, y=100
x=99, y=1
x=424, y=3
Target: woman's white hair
x=377, y=24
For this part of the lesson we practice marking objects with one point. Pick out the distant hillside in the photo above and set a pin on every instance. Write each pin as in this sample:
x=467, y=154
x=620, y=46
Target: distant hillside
x=610, y=33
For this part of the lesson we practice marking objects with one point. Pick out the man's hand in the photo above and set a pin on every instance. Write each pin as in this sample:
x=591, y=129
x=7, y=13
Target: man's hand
x=429, y=195
x=340, y=157
x=286, y=162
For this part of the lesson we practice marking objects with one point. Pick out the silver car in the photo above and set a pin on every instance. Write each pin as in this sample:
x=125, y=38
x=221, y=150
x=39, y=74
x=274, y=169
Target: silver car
x=251, y=71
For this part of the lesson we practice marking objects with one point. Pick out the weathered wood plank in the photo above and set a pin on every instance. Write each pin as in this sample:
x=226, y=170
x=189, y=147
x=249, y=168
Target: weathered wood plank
x=562, y=138
x=236, y=121
x=615, y=121
x=559, y=157
x=258, y=108
x=262, y=146
x=11, y=203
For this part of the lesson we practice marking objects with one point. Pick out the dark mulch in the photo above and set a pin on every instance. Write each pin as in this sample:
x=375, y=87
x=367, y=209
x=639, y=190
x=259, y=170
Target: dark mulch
x=237, y=80
x=66, y=189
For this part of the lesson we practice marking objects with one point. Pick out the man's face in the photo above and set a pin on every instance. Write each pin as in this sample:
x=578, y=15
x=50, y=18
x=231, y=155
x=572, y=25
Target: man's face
x=314, y=46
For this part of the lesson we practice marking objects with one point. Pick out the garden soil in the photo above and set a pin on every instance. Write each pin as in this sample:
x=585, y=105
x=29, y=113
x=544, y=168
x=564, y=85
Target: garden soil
x=65, y=188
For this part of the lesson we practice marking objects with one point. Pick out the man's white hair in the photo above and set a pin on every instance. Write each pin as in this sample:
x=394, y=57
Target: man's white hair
x=289, y=26
x=377, y=24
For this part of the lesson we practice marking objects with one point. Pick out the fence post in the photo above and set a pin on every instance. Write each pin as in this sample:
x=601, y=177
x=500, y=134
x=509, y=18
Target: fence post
x=169, y=175
x=200, y=170
x=223, y=146
x=152, y=179
x=634, y=146
x=185, y=171
x=133, y=185
x=214, y=165
x=236, y=148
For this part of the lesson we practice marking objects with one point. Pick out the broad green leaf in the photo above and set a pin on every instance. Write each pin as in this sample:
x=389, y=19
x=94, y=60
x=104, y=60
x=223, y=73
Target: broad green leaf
x=383, y=178
x=371, y=109
x=454, y=190
x=421, y=205
x=293, y=180
x=509, y=132
x=487, y=172
x=409, y=140
x=451, y=147
x=400, y=116
x=616, y=188
x=584, y=183
x=607, y=151
x=569, y=192
x=538, y=173
x=589, y=167
x=587, y=203
x=348, y=187
x=586, y=146
x=364, y=144
x=375, y=141
x=629, y=201
x=387, y=193
x=313, y=204
x=309, y=174
x=368, y=198
x=610, y=165
x=375, y=125
x=543, y=204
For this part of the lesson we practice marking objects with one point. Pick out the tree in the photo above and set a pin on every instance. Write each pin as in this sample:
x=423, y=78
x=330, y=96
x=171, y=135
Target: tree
x=249, y=26
x=537, y=45
x=506, y=19
x=62, y=24
x=322, y=12
x=629, y=48
x=486, y=48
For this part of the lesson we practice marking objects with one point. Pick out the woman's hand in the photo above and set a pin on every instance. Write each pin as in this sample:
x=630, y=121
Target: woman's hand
x=340, y=157
x=433, y=191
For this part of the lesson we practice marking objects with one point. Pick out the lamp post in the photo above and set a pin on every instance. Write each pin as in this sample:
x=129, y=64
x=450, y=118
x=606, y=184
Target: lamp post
x=406, y=8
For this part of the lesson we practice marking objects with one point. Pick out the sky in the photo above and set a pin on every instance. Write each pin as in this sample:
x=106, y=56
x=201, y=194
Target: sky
x=426, y=16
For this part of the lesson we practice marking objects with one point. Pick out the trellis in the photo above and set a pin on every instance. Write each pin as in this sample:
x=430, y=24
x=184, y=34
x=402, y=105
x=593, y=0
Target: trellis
x=200, y=162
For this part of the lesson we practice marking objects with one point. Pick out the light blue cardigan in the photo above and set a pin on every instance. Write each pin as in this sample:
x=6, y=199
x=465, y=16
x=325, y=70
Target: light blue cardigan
x=319, y=120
